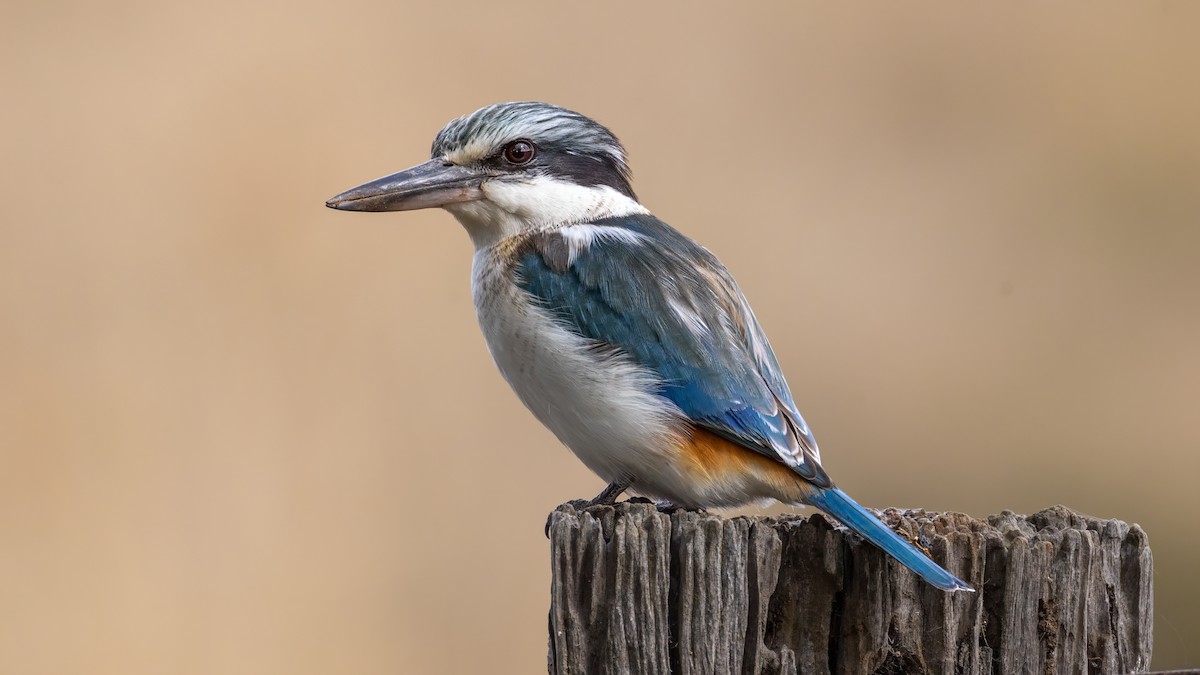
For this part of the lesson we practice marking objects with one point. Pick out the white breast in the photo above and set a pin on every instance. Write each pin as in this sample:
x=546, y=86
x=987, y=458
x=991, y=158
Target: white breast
x=599, y=405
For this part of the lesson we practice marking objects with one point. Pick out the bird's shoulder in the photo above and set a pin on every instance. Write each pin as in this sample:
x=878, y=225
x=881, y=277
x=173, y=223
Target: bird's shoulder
x=626, y=272
x=615, y=239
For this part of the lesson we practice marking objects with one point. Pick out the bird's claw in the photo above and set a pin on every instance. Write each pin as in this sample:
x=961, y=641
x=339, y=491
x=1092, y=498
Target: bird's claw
x=607, y=497
x=669, y=507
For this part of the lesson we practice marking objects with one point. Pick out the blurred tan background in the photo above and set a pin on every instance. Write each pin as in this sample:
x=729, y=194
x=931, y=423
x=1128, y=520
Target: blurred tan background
x=242, y=433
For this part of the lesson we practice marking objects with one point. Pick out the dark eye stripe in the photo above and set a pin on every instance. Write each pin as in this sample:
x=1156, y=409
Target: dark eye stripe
x=590, y=170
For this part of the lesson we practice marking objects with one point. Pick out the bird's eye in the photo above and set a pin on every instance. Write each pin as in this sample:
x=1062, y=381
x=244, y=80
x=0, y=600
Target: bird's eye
x=519, y=152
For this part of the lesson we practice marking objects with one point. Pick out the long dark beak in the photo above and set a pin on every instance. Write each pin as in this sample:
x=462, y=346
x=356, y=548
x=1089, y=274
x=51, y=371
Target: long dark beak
x=434, y=183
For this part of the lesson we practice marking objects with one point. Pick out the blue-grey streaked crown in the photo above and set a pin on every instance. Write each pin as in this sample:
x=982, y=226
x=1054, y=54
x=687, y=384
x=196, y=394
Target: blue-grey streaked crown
x=561, y=133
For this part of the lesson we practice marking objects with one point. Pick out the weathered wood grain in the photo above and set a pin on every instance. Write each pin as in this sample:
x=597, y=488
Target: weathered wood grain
x=639, y=591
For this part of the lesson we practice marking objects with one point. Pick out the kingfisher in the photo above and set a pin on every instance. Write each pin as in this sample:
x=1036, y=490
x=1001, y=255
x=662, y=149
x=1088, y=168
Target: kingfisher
x=630, y=341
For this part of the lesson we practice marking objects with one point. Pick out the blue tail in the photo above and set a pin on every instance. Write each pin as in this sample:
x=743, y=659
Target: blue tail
x=839, y=505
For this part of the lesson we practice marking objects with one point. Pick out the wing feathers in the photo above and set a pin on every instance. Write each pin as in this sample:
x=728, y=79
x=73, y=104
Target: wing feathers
x=636, y=284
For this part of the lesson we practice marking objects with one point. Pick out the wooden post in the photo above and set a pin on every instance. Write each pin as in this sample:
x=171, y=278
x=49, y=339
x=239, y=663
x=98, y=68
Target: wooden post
x=639, y=591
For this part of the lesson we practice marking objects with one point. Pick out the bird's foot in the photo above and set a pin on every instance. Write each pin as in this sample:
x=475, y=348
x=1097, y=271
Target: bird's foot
x=607, y=497
x=669, y=507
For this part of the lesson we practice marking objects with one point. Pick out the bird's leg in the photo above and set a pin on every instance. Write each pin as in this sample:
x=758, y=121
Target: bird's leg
x=609, y=495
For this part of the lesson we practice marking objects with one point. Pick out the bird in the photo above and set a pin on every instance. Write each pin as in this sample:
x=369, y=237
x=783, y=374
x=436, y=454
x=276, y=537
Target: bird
x=631, y=342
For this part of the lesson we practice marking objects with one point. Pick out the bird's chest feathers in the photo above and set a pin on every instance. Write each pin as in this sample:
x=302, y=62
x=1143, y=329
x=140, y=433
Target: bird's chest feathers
x=531, y=351
x=598, y=403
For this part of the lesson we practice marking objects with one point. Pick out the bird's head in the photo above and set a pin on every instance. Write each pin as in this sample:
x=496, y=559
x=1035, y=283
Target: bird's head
x=509, y=168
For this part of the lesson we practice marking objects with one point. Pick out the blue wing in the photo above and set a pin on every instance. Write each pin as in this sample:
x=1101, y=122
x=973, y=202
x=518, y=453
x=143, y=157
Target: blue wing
x=636, y=284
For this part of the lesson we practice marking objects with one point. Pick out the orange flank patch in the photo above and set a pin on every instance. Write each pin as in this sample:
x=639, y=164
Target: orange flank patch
x=718, y=463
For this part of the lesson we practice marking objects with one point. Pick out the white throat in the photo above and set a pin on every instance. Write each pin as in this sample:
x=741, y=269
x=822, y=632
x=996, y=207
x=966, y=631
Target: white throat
x=510, y=207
